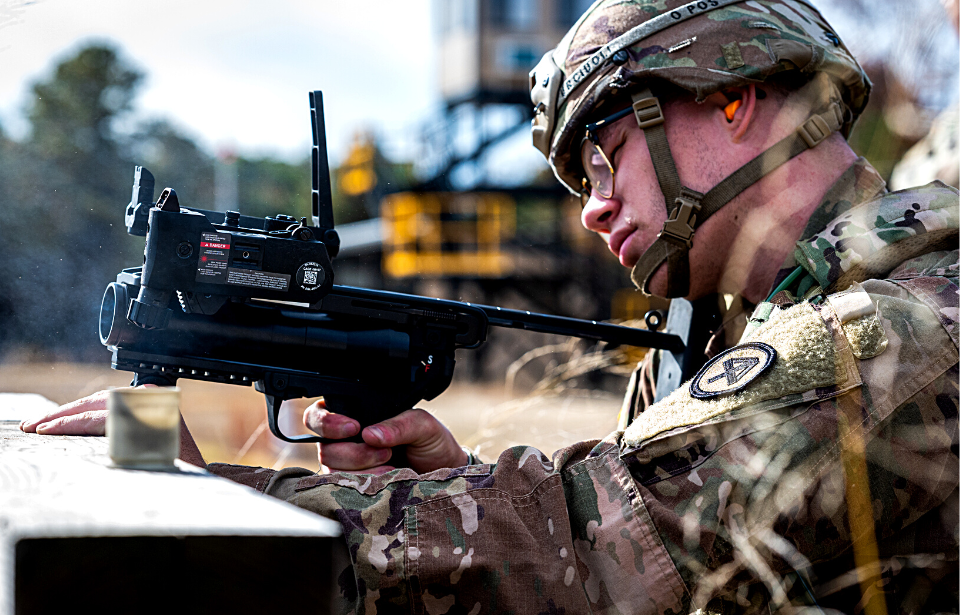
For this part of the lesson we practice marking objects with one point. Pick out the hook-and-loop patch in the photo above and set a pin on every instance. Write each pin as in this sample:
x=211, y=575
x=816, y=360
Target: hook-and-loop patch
x=732, y=369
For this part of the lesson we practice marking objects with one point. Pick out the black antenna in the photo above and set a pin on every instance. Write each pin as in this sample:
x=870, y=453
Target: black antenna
x=321, y=193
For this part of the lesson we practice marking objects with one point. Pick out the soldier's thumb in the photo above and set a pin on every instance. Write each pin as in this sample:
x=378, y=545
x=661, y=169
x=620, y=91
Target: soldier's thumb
x=410, y=427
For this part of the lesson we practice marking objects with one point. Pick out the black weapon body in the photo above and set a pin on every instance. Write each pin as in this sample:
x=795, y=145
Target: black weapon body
x=370, y=354
x=241, y=300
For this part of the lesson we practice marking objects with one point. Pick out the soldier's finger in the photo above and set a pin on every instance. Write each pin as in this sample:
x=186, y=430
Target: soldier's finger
x=429, y=444
x=90, y=423
x=91, y=403
x=328, y=424
x=351, y=457
x=414, y=427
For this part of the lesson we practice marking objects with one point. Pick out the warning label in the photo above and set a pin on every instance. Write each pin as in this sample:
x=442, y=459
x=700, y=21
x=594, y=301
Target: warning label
x=214, y=257
x=258, y=279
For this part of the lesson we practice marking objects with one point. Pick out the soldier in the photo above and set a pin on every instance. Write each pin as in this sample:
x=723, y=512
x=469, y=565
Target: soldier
x=812, y=462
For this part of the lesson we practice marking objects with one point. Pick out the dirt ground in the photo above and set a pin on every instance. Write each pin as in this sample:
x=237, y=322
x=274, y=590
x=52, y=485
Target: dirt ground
x=229, y=422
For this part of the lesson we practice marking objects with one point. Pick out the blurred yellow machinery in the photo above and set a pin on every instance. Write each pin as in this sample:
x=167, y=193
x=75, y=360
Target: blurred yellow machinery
x=447, y=234
x=357, y=174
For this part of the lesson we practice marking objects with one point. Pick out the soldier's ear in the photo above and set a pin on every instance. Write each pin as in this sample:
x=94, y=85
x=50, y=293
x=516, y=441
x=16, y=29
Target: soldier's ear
x=735, y=108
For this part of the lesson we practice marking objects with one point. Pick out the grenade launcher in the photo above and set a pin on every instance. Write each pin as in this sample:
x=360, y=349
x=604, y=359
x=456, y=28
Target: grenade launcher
x=236, y=299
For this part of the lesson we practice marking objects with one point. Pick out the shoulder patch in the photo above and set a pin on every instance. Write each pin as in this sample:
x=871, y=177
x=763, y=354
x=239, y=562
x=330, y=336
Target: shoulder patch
x=814, y=361
x=732, y=369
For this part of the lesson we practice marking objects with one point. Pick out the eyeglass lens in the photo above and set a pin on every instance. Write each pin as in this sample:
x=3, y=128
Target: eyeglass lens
x=597, y=168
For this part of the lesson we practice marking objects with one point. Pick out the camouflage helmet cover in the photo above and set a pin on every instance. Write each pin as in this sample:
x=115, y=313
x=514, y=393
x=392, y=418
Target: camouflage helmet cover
x=703, y=46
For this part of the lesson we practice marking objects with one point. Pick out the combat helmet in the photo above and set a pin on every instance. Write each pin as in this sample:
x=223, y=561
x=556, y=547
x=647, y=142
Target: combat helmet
x=628, y=47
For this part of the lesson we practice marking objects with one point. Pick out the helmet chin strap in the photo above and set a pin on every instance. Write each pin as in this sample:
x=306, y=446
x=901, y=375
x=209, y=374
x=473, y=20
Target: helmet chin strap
x=690, y=208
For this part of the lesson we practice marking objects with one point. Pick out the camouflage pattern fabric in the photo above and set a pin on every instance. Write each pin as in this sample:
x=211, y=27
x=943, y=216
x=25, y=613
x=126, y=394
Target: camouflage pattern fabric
x=885, y=233
x=723, y=47
x=842, y=496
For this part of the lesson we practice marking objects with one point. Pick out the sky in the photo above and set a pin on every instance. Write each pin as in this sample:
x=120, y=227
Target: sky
x=235, y=75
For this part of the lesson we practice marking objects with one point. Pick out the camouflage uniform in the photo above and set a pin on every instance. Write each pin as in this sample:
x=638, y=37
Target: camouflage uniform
x=830, y=477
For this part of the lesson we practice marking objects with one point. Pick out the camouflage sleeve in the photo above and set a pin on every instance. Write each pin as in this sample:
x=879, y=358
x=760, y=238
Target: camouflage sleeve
x=525, y=535
x=494, y=535
x=264, y=480
x=829, y=479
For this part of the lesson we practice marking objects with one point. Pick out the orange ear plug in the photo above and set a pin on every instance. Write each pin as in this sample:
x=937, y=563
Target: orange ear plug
x=730, y=109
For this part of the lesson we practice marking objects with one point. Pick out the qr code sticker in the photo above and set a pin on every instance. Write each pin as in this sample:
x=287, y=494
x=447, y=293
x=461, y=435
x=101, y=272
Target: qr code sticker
x=309, y=277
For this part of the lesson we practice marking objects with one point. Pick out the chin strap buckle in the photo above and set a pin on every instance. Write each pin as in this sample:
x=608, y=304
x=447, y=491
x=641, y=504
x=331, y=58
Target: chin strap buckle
x=814, y=131
x=648, y=112
x=682, y=222
x=819, y=127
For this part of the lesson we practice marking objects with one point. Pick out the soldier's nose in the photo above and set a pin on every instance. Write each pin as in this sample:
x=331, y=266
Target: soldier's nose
x=598, y=213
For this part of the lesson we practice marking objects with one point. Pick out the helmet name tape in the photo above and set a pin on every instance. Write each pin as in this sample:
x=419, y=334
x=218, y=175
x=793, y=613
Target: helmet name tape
x=629, y=38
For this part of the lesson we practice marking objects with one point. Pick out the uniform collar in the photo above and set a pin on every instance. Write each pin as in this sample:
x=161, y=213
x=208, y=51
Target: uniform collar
x=860, y=183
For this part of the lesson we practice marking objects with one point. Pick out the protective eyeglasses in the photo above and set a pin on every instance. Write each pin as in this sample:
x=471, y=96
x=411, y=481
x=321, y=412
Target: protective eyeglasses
x=597, y=167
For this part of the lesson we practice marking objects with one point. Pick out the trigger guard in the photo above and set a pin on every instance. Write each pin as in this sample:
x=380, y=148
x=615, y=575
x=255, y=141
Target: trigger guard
x=273, y=422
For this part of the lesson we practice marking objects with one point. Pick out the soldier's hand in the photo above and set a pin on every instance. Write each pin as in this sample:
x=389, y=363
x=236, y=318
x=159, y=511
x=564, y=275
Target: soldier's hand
x=88, y=417
x=84, y=417
x=429, y=444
